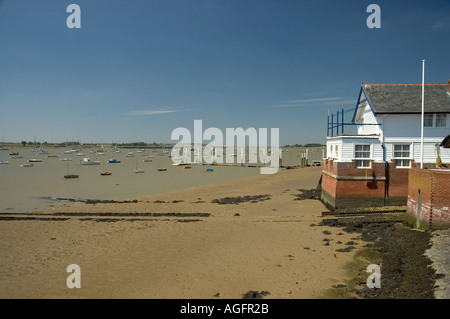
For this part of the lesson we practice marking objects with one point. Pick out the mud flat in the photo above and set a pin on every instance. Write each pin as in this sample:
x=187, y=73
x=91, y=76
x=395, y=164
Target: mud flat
x=399, y=250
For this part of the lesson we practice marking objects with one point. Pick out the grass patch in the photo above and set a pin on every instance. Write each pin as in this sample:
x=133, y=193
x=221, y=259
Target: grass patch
x=356, y=270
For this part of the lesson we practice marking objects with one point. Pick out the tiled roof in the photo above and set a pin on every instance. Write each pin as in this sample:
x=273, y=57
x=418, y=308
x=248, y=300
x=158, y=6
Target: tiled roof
x=407, y=98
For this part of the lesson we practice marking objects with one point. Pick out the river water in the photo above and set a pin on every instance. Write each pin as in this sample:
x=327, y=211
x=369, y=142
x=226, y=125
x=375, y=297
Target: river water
x=26, y=189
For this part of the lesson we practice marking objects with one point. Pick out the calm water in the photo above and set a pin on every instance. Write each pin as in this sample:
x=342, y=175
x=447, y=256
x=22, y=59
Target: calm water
x=24, y=189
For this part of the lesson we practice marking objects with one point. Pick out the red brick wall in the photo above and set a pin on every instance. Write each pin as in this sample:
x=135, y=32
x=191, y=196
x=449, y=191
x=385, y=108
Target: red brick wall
x=344, y=193
x=431, y=205
x=364, y=187
x=398, y=181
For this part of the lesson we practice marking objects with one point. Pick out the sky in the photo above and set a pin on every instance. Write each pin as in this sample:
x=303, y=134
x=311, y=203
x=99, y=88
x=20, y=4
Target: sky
x=136, y=70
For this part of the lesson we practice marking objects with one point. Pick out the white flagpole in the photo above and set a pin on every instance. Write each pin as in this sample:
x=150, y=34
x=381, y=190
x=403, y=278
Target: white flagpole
x=423, y=93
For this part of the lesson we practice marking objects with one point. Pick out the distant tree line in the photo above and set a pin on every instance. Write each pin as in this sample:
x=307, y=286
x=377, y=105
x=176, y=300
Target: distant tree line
x=25, y=143
x=138, y=144
x=306, y=145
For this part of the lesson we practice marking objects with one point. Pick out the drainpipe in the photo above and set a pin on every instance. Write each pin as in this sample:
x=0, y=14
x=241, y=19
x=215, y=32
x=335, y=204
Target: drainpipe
x=386, y=183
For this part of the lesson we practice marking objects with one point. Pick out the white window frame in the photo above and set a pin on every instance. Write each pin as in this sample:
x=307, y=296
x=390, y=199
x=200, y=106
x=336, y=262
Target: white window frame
x=425, y=120
x=402, y=158
x=361, y=161
x=434, y=120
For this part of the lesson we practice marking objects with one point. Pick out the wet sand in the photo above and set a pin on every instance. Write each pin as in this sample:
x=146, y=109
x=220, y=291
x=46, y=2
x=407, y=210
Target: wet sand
x=255, y=234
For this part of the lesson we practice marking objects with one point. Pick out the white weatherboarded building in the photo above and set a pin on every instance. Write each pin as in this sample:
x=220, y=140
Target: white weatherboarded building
x=388, y=119
x=371, y=167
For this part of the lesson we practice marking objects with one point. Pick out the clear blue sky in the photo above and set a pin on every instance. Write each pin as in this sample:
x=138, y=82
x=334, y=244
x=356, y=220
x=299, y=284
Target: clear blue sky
x=138, y=69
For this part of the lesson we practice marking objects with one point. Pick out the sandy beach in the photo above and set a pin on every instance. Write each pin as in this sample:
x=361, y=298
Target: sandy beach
x=228, y=250
x=216, y=241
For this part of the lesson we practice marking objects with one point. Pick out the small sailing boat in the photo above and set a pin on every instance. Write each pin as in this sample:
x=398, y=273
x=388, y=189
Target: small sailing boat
x=105, y=173
x=138, y=170
x=161, y=169
x=27, y=165
x=68, y=176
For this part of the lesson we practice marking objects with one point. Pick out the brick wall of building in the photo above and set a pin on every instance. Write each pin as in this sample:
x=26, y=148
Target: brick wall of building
x=429, y=197
x=345, y=186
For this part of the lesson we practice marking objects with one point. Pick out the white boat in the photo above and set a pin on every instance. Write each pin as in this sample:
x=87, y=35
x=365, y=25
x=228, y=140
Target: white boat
x=16, y=156
x=27, y=165
x=138, y=170
x=101, y=150
x=130, y=154
x=4, y=162
x=88, y=161
x=65, y=159
x=34, y=160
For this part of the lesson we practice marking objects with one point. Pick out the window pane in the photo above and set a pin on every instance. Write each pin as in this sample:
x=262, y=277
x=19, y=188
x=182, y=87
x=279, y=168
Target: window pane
x=441, y=120
x=401, y=151
x=366, y=148
x=358, y=147
x=428, y=120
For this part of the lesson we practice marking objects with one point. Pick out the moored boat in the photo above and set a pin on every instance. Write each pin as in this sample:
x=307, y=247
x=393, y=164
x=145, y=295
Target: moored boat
x=34, y=160
x=71, y=176
x=88, y=161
